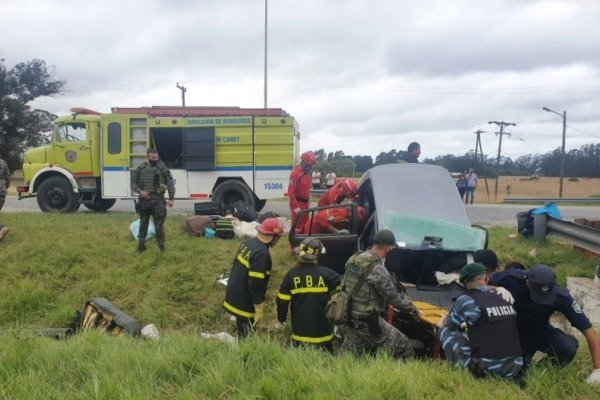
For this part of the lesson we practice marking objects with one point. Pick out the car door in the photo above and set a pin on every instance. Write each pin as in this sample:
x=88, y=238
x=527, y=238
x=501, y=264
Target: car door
x=338, y=247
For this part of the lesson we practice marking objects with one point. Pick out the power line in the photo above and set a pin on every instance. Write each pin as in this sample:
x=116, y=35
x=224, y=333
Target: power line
x=584, y=132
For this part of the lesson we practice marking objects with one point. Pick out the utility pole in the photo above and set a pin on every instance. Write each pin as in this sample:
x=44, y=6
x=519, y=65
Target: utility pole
x=478, y=147
x=562, y=149
x=265, y=54
x=501, y=124
x=183, y=90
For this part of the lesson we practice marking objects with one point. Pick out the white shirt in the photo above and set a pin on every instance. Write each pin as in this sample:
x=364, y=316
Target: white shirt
x=330, y=177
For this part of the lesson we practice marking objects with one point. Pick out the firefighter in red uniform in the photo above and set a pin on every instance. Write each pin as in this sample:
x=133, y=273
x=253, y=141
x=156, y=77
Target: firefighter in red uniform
x=344, y=188
x=300, y=184
x=249, y=277
x=307, y=289
x=331, y=220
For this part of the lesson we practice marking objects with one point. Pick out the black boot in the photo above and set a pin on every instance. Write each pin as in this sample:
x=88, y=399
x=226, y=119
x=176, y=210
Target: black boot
x=141, y=247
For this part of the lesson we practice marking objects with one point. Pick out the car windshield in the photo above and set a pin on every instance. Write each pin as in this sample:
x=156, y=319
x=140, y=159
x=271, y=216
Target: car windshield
x=419, y=200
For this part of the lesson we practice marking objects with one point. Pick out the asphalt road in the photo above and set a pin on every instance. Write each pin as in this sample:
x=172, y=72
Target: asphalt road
x=480, y=214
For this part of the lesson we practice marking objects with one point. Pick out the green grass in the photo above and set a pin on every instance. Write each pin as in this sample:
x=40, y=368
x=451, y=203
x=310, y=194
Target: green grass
x=50, y=264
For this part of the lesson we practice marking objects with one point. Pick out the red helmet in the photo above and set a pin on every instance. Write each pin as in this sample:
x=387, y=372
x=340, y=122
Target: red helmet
x=271, y=227
x=308, y=158
x=348, y=188
x=362, y=213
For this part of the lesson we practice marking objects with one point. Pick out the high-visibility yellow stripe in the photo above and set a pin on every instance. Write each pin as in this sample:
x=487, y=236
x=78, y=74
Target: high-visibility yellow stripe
x=237, y=311
x=255, y=274
x=244, y=262
x=286, y=297
x=307, y=339
x=310, y=290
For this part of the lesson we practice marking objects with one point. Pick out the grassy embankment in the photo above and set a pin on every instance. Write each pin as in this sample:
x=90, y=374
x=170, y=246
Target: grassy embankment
x=50, y=264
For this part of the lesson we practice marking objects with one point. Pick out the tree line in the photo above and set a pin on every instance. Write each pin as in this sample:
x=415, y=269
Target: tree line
x=22, y=127
x=583, y=162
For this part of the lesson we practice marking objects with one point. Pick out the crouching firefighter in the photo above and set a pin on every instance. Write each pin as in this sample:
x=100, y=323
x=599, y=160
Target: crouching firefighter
x=371, y=287
x=249, y=277
x=308, y=287
x=480, y=332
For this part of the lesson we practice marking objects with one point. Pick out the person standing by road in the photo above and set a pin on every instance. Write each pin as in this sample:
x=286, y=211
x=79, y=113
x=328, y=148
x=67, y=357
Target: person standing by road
x=316, y=179
x=4, y=184
x=249, y=277
x=412, y=153
x=366, y=331
x=306, y=289
x=150, y=181
x=471, y=179
x=537, y=297
x=330, y=179
x=480, y=331
x=461, y=185
x=299, y=188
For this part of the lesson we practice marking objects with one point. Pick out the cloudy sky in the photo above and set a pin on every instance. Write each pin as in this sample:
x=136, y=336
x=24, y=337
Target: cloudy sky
x=361, y=76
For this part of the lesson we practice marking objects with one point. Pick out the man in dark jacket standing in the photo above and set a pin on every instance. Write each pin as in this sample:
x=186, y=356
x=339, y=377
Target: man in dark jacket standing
x=412, y=153
x=249, y=277
x=308, y=287
x=150, y=181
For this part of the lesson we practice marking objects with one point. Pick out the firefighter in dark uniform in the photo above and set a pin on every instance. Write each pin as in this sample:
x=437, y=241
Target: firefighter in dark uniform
x=249, y=277
x=306, y=289
x=537, y=297
x=480, y=332
x=150, y=181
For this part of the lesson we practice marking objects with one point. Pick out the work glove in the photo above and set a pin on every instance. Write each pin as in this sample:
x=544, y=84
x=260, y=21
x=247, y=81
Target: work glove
x=259, y=313
x=297, y=210
x=279, y=326
x=505, y=294
x=344, y=232
x=594, y=377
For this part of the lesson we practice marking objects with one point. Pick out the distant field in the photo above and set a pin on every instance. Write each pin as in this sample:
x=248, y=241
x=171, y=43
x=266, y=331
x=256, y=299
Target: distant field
x=523, y=186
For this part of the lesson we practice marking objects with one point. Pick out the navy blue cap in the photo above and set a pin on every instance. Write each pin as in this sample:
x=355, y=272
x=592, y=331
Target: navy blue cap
x=542, y=284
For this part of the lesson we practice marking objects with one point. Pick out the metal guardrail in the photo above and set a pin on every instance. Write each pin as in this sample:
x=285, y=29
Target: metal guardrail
x=547, y=199
x=579, y=235
x=318, y=192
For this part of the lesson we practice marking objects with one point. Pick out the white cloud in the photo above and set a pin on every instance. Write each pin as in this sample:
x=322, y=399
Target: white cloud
x=360, y=76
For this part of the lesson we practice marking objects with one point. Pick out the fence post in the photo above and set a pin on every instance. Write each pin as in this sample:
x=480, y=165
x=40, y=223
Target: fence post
x=539, y=227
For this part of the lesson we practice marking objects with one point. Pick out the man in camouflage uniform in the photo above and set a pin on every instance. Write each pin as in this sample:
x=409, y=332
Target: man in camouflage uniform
x=366, y=332
x=150, y=181
x=4, y=184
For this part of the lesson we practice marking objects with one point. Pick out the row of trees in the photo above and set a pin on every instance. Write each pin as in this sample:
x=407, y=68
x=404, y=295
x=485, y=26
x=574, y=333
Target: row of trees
x=21, y=126
x=583, y=162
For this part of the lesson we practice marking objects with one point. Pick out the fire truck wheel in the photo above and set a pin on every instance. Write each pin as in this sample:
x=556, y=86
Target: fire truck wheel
x=56, y=194
x=101, y=205
x=230, y=191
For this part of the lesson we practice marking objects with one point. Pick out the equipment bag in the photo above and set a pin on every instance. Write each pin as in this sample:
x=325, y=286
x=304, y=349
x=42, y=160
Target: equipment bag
x=99, y=313
x=195, y=225
x=525, y=223
x=268, y=214
x=339, y=307
x=241, y=211
x=224, y=229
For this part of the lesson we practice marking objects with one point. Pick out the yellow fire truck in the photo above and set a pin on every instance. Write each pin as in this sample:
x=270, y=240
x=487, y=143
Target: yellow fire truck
x=219, y=153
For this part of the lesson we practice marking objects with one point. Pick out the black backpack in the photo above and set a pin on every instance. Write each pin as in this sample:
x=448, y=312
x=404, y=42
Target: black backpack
x=241, y=211
x=224, y=229
x=525, y=223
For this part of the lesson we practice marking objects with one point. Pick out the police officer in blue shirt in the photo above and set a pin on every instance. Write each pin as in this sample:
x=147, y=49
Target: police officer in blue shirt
x=537, y=297
x=480, y=332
